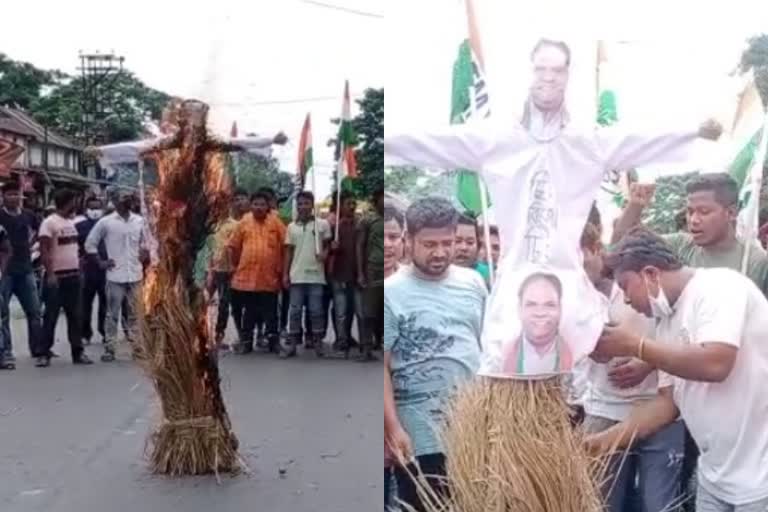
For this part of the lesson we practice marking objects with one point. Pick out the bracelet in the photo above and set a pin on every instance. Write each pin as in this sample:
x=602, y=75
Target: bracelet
x=640, y=348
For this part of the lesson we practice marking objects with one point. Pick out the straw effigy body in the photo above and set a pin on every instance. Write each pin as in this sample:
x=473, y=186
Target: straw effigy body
x=510, y=447
x=177, y=351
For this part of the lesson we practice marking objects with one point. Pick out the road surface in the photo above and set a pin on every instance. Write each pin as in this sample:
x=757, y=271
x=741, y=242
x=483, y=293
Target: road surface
x=72, y=438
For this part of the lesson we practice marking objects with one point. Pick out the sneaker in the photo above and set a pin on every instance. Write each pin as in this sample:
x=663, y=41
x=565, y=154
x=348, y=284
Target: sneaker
x=43, y=362
x=52, y=354
x=7, y=364
x=108, y=357
x=82, y=359
x=285, y=354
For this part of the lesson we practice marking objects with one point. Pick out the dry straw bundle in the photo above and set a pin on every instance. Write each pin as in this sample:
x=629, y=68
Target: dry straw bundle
x=510, y=447
x=177, y=350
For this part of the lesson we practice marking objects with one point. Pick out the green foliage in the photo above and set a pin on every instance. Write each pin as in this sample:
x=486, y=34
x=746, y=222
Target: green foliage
x=755, y=58
x=56, y=100
x=412, y=183
x=668, y=202
x=253, y=172
x=368, y=126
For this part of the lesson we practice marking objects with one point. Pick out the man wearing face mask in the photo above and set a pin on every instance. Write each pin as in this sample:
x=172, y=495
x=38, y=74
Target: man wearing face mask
x=94, y=277
x=709, y=347
x=710, y=242
x=123, y=235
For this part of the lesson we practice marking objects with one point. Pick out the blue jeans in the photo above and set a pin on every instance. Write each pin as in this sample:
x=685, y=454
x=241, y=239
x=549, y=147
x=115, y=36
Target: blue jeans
x=311, y=296
x=655, y=463
x=346, y=306
x=24, y=287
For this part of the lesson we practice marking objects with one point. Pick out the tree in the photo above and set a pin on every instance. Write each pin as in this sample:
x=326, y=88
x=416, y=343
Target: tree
x=755, y=58
x=253, y=172
x=129, y=107
x=22, y=83
x=55, y=99
x=369, y=129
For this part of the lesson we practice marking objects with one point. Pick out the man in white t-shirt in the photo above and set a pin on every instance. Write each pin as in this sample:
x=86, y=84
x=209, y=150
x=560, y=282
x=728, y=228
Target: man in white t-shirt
x=307, y=241
x=654, y=463
x=712, y=357
x=59, y=251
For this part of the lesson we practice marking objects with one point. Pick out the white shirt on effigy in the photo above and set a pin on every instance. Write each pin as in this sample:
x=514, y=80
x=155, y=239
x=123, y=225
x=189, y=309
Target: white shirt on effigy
x=602, y=398
x=123, y=240
x=542, y=187
x=729, y=419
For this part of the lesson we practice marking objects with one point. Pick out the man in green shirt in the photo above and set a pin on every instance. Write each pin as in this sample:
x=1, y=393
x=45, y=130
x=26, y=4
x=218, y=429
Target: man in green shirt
x=710, y=241
x=370, y=254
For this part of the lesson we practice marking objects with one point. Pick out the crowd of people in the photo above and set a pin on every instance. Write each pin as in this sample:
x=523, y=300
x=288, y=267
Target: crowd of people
x=676, y=379
x=277, y=280
x=272, y=278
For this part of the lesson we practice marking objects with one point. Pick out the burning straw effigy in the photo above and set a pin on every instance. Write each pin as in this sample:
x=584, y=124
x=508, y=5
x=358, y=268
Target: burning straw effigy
x=177, y=350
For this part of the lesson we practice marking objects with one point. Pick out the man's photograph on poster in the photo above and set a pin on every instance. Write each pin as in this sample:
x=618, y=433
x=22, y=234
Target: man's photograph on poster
x=540, y=348
x=534, y=324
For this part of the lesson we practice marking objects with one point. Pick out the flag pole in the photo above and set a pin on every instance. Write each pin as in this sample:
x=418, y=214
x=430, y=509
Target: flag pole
x=757, y=184
x=339, y=179
x=314, y=207
x=486, y=230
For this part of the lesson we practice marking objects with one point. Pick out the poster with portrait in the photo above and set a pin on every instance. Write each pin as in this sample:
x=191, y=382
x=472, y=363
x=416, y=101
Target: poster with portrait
x=540, y=323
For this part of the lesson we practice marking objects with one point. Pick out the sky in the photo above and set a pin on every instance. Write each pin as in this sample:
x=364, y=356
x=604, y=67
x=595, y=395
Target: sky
x=236, y=55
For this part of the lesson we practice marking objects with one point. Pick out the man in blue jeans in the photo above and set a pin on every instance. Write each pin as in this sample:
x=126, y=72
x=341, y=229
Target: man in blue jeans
x=304, y=274
x=18, y=279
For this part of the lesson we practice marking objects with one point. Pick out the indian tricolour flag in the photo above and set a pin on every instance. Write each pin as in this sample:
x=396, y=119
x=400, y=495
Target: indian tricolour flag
x=305, y=152
x=750, y=137
x=346, y=139
x=469, y=100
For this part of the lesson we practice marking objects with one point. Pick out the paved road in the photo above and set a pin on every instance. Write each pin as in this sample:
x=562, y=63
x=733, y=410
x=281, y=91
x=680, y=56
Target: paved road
x=72, y=438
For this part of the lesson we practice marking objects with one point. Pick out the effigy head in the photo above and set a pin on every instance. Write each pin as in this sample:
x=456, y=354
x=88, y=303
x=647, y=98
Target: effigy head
x=193, y=113
x=551, y=67
x=169, y=120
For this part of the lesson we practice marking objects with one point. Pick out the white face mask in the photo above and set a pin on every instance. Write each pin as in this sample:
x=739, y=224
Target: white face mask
x=660, y=307
x=94, y=214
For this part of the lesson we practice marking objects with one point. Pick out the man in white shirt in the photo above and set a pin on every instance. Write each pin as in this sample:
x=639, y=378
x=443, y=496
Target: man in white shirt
x=123, y=235
x=713, y=366
x=654, y=463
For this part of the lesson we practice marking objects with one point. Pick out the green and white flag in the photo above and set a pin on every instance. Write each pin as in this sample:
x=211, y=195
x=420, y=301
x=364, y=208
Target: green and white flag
x=469, y=100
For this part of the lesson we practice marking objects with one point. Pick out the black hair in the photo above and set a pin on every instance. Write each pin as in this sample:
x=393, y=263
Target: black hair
x=239, y=192
x=467, y=220
x=93, y=198
x=63, y=197
x=306, y=194
x=430, y=212
x=391, y=212
x=269, y=192
x=560, y=45
x=11, y=186
x=260, y=195
x=642, y=248
x=722, y=185
x=541, y=276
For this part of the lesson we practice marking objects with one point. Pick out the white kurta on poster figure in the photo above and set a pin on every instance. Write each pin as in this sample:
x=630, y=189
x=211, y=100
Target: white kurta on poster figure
x=543, y=174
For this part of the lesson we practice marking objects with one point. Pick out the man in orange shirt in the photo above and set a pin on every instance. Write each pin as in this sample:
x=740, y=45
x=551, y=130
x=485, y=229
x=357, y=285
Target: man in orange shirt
x=257, y=253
